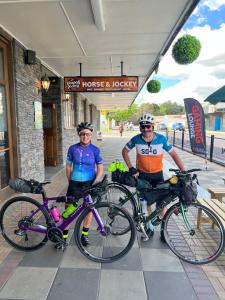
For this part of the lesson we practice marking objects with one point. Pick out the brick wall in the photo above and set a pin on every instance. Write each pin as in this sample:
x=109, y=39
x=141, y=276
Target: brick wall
x=30, y=151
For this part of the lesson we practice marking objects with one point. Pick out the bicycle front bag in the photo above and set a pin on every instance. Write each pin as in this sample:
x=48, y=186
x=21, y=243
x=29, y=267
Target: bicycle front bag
x=190, y=192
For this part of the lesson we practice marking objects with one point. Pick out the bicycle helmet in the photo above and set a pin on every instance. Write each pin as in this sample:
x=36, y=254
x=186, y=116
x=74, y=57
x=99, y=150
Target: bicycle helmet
x=84, y=125
x=146, y=119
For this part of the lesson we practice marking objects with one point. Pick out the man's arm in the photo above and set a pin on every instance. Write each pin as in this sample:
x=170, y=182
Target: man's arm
x=177, y=160
x=125, y=154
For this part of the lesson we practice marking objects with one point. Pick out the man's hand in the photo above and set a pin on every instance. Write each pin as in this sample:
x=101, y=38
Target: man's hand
x=133, y=171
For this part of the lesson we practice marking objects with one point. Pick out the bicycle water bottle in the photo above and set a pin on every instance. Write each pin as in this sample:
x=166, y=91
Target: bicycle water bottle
x=55, y=213
x=145, y=212
x=70, y=209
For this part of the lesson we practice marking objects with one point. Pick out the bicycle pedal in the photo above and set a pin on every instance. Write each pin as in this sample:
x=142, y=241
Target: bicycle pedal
x=61, y=246
x=144, y=239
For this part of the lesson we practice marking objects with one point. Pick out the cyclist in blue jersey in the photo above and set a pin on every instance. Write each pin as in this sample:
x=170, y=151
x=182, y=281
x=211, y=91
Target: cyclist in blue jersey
x=150, y=147
x=83, y=168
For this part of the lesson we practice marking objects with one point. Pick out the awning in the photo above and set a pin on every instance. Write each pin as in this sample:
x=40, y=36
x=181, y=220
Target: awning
x=217, y=96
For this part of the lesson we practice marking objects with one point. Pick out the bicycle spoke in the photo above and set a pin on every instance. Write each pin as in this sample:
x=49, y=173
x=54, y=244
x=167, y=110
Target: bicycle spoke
x=109, y=247
x=200, y=245
x=16, y=222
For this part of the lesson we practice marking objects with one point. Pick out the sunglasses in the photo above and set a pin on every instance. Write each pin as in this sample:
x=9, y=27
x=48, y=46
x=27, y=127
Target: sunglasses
x=85, y=133
x=146, y=126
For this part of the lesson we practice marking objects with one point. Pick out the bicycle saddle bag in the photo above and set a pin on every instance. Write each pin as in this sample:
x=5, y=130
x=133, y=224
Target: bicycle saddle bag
x=20, y=185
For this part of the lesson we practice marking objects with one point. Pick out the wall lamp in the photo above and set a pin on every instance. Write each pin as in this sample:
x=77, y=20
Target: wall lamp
x=97, y=9
x=45, y=83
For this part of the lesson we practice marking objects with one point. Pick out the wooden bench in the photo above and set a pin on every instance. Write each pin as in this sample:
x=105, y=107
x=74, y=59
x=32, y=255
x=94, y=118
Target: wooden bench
x=217, y=192
x=216, y=206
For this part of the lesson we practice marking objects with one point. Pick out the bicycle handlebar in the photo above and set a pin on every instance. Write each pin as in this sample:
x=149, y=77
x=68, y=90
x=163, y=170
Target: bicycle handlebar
x=179, y=172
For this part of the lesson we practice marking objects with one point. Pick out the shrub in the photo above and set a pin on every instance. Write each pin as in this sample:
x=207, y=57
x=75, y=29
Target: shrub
x=186, y=49
x=153, y=86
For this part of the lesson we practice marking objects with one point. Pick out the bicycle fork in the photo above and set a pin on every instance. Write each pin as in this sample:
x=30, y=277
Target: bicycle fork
x=99, y=221
x=187, y=224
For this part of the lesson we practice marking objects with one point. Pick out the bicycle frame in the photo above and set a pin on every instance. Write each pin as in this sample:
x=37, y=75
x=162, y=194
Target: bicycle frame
x=138, y=208
x=88, y=202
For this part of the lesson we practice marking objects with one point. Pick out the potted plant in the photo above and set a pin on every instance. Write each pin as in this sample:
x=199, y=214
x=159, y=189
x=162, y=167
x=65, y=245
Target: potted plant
x=153, y=86
x=186, y=49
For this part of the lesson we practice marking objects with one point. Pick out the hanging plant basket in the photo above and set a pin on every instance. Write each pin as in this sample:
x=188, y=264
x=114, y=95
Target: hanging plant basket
x=186, y=49
x=153, y=86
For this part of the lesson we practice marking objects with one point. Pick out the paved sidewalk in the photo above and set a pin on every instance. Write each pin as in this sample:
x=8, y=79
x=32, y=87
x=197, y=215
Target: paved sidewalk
x=149, y=271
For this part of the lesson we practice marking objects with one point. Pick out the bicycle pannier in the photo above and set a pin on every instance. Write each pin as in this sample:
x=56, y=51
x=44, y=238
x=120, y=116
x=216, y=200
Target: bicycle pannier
x=190, y=192
x=124, y=178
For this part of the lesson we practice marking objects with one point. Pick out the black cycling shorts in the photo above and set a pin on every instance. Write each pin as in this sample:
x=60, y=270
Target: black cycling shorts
x=153, y=179
x=75, y=188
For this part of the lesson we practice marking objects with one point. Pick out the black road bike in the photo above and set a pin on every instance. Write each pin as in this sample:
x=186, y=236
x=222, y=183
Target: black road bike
x=190, y=240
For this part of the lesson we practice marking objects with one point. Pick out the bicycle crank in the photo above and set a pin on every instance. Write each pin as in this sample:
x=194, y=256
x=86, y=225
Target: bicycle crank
x=55, y=235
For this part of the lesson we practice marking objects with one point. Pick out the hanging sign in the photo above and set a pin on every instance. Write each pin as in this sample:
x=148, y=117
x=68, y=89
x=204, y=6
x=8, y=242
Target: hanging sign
x=101, y=84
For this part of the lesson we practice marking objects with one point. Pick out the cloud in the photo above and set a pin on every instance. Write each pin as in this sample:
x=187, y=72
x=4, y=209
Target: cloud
x=213, y=4
x=219, y=73
x=199, y=79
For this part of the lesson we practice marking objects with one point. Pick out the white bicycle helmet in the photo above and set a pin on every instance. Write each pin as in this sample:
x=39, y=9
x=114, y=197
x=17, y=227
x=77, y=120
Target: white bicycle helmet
x=146, y=119
x=84, y=125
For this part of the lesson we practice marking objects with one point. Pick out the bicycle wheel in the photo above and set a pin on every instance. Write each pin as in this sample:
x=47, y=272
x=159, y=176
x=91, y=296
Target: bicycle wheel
x=106, y=248
x=16, y=219
x=201, y=243
x=121, y=196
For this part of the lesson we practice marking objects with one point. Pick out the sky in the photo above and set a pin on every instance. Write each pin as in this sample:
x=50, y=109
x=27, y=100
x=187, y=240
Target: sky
x=206, y=74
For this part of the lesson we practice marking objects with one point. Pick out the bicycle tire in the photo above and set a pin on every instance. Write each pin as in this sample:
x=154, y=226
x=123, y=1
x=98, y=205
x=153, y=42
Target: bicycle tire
x=118, y=194
x=10, y=216
x=200, y=246
x=101, y=249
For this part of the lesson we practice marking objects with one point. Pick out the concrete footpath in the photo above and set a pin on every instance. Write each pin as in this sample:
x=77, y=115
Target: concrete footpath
x=149, y=271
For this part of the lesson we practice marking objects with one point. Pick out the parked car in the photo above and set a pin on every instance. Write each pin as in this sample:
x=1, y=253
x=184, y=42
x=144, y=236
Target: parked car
x=162, y=126
x=178, y=126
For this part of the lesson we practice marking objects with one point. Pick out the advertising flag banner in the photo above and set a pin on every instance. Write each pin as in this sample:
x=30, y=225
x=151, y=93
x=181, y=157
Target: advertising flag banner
x=101, y=84
x=196, y=125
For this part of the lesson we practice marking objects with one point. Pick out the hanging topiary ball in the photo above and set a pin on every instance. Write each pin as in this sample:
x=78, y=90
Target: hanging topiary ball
x=186, y=49
x=154, y=86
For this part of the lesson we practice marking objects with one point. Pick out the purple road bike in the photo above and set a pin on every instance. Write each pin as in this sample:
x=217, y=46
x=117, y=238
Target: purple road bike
x=27, y=224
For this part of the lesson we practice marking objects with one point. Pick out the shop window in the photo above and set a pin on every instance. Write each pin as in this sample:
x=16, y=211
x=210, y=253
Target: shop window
x=69, y=114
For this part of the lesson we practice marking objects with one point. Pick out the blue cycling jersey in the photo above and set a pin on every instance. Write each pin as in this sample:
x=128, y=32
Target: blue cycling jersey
x=84, y=160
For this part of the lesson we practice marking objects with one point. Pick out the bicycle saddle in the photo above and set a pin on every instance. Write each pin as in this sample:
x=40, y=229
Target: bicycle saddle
x=97, y=187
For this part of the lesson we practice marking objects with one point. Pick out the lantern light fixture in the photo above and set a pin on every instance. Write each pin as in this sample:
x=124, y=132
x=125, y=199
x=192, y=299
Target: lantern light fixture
x=45, y=83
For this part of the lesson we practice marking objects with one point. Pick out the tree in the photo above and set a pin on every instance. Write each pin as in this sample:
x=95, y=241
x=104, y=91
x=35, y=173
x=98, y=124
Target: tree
x=125, y=114
x=171, y=108
x=148, y=107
